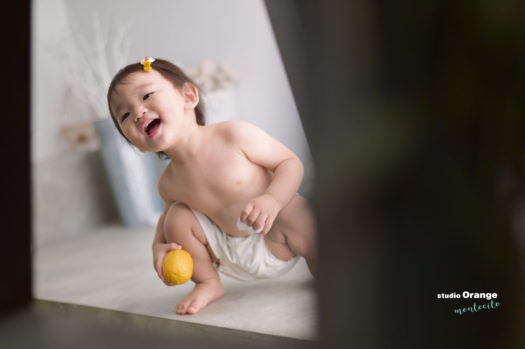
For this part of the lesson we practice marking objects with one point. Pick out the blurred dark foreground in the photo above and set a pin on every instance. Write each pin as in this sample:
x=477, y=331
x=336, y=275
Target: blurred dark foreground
x=415, y=112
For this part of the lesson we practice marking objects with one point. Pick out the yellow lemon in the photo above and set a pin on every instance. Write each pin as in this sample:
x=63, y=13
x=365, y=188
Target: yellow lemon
x=177, y=267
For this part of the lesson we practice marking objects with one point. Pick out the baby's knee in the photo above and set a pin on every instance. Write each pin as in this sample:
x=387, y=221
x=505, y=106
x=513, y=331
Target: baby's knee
x=179, y=220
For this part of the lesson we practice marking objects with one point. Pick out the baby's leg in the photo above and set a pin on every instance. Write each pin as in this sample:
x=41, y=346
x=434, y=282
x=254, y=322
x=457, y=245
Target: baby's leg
x=182, y=227
x=294, y=233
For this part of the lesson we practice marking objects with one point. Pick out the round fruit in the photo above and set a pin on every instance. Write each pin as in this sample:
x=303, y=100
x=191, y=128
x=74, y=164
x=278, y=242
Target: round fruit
x=177, y=267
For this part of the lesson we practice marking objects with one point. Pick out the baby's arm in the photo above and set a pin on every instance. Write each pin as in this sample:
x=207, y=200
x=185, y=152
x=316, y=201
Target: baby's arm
x=160, y=246
x=262, y=149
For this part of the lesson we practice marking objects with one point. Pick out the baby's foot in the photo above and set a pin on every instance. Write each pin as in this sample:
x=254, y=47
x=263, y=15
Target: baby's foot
x=202, y=294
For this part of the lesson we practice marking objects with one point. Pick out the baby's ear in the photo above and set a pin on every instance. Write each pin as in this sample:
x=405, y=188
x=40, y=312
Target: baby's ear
x=191, y=95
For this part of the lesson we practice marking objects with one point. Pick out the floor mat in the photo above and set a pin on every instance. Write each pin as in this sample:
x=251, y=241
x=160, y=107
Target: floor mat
x=111, y=268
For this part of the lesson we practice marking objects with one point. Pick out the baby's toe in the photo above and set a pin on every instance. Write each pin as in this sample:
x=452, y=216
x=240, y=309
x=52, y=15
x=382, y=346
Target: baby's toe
x=194, y=307
x=181, y=308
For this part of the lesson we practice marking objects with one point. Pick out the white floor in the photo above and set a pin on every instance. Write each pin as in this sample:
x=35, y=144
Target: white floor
x=112, y=268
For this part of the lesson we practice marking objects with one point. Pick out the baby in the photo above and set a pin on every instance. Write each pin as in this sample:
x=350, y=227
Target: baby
x=230, y=190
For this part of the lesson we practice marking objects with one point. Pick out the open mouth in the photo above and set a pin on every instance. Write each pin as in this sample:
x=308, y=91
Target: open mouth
x=152, y=127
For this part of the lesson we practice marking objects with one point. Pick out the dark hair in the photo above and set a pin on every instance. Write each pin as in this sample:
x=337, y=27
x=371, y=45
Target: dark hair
x=171, y=73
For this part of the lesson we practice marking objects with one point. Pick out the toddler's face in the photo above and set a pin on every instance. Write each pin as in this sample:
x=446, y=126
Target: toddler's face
x=147, y=106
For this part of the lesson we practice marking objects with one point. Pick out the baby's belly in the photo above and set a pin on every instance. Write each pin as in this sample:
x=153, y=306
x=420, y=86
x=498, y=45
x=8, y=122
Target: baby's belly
x=227, y=218
x=226, y=197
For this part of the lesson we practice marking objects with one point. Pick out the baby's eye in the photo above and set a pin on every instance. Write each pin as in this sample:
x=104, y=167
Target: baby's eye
x=146, y=96
x=124, y=117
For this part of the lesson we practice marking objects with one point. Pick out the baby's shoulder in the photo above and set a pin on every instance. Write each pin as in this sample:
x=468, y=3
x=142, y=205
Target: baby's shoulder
x=233, y=130
x=231, y=126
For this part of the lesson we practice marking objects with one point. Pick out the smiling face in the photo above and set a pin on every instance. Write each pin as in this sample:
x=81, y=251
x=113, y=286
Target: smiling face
x=149, y=109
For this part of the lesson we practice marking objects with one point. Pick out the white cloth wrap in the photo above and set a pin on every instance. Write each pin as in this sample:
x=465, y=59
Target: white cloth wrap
x=242, y=258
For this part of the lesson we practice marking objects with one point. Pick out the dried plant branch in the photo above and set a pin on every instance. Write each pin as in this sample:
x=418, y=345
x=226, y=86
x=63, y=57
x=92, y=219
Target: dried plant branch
x=91, y=61
x=211, y=77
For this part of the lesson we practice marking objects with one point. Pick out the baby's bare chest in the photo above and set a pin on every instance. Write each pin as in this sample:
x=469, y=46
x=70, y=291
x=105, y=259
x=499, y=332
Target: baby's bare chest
x=218, y=182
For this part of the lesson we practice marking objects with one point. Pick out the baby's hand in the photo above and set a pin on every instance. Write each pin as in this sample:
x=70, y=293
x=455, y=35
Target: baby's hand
x=261, y=212
x=160, y=251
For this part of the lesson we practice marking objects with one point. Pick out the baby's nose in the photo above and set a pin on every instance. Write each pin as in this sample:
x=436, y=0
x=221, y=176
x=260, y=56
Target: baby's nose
x=140, y=112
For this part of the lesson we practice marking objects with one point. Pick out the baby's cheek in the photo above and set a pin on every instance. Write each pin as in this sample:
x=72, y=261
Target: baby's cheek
x=131, y=136
x=127, y=134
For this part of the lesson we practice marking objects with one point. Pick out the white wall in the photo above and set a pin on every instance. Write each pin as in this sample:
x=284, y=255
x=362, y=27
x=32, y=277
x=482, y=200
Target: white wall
x=48, y=30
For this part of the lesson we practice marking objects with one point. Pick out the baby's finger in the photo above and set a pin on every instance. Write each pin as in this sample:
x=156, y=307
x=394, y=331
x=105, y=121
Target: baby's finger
x=246, y=212
x=267, y=227
x=174, y=246
x=269, y=223
x=259, y=222
x=253, y=217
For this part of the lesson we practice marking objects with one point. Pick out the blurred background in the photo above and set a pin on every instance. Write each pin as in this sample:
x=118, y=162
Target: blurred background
x=228, y=47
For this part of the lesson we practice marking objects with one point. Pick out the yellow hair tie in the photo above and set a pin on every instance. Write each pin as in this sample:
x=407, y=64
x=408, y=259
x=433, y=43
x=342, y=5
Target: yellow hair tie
x=146, y=62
